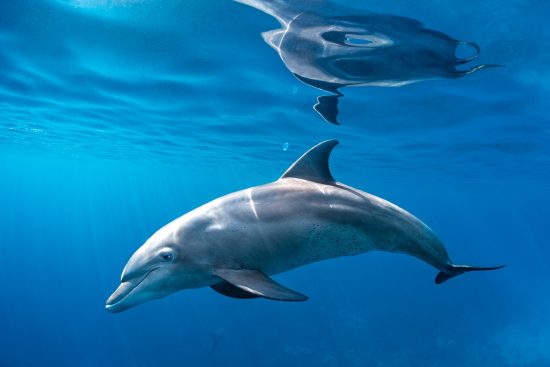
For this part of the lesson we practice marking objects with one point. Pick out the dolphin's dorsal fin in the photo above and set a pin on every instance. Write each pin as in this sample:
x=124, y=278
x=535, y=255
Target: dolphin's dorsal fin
x=313, y=165
x=257, y=284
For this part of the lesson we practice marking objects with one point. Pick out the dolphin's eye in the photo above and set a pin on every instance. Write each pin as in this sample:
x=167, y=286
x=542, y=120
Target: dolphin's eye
x=166, y=255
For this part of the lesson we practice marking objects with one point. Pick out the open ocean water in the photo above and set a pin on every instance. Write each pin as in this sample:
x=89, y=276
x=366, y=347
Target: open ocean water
x=117, y=116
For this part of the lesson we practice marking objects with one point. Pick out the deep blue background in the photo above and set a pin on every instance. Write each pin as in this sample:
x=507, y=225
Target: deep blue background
x=118, y=116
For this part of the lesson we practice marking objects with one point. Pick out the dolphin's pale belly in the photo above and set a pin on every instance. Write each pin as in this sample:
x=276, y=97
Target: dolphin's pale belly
x=293, y=222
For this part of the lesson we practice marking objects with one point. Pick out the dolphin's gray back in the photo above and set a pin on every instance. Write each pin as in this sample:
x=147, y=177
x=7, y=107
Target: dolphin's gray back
x=293, y=222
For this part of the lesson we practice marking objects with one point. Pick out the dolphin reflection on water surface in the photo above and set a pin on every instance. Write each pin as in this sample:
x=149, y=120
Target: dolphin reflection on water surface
x=329, y=46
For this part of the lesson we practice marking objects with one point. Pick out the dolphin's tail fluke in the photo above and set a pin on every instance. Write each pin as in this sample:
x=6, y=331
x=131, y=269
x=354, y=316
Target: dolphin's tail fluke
x=455, y=270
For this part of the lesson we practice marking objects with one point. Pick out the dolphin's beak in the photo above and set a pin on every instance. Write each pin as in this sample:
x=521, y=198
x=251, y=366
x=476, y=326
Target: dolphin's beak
x=120, y=300
x=114, y=303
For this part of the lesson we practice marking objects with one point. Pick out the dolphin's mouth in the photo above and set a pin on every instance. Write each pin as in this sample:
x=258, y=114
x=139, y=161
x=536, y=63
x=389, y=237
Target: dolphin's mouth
x=115, y=303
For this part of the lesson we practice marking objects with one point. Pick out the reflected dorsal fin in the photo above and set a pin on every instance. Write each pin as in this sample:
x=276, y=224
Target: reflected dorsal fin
x=313, y=165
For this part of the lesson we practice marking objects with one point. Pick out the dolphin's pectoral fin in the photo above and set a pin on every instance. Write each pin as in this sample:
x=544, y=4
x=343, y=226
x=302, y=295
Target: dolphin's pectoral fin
x=229, y=290
x=258, y=284
x=327, y=107
x=313, y=165
x=456, y=270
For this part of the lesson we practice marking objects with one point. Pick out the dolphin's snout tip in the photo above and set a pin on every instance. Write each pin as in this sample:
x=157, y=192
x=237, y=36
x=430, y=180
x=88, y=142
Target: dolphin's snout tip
x=114, y=303
x=110, y=300
x=109, y=308
x=110, y=305
x=112, y=308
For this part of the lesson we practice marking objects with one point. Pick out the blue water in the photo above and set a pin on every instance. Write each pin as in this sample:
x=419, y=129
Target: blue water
x=118, y=116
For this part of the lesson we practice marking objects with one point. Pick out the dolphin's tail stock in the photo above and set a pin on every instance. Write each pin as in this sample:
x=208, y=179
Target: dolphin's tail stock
x=455, y=270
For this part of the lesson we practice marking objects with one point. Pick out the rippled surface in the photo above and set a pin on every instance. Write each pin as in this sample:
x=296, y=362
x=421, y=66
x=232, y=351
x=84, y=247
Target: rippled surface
x=183, y=81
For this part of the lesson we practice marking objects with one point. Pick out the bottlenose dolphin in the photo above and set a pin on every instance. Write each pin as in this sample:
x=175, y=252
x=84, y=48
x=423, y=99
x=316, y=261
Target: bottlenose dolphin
x=235, y=243
x=330, y=46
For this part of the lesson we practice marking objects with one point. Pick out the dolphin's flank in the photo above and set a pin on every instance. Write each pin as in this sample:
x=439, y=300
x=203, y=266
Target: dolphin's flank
x=235, y=243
